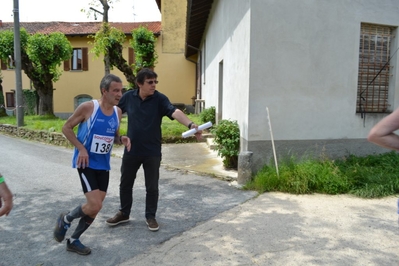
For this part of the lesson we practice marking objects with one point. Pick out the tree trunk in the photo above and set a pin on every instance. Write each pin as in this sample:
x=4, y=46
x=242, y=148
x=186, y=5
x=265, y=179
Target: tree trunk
x=107, y=64
x=45, y=92
x=116, y=59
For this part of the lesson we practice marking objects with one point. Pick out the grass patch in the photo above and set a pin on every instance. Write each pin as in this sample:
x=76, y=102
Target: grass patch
x=372, y=176
x=36, y=122
x=171, y=129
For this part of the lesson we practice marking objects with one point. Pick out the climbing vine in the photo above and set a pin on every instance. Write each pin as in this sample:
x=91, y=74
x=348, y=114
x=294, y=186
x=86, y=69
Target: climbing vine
x=30, y=99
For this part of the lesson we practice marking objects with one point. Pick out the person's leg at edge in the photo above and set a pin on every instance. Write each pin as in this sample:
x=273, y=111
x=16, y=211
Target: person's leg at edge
x=151, y=167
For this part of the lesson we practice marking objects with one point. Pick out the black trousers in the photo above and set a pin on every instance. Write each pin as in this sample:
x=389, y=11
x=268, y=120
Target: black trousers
x=129, y=168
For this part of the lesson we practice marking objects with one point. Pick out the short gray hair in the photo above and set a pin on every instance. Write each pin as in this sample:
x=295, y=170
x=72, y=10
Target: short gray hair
x=107, y=80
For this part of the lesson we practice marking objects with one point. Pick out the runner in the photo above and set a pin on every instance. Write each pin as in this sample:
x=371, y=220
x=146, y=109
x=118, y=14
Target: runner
x=98, y=130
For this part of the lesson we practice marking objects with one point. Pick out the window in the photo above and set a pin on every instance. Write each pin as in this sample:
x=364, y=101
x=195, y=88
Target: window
x=10, y=99
x=81, y=99
x=78, y=61
x=131, y=57
x=374, y=68
x=10, y=63
x=7, y=64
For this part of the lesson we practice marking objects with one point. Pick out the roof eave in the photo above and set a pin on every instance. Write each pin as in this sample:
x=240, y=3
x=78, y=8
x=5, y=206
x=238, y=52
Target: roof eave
x=196, y=20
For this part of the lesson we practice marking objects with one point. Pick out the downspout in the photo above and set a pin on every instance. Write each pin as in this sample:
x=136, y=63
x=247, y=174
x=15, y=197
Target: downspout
x=198, y=87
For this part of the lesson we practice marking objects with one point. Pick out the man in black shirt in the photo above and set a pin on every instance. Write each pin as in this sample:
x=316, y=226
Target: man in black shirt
x=145, y=108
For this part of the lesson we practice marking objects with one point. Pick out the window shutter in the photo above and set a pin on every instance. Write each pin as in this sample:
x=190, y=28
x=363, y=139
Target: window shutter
x=67, y=66
x=374, y=68
x=85, y=59
x=132, y=58
x=3, y=65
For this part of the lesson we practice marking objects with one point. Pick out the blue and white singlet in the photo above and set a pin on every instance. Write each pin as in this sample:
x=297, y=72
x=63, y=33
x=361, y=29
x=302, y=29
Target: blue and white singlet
x=97, y=135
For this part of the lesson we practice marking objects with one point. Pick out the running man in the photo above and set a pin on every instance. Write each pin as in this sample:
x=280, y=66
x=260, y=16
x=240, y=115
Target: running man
x=98, y=129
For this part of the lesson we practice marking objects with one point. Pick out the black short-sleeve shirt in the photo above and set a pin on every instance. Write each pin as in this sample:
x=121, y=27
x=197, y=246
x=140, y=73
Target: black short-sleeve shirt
x=144, y=120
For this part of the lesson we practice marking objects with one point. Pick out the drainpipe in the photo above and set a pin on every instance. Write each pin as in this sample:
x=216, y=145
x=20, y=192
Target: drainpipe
x=197, y=75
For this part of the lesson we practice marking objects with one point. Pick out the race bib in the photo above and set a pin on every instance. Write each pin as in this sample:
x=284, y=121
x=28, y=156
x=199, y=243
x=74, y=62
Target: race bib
x=101, y=144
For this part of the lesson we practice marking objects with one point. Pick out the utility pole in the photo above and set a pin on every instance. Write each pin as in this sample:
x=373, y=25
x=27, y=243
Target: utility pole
x=18, y=74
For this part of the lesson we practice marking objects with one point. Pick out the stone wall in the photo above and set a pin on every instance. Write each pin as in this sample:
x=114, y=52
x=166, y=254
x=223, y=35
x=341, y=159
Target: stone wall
x=40, y=136
x=59, y=139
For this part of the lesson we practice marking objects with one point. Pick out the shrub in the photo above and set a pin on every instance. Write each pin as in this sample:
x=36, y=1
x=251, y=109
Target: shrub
x=208, y=114
x=30, y=98
x=227, y=140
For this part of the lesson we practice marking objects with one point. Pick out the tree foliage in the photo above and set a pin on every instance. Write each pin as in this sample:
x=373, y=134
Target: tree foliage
x=143, y=43
x=30, y=98
x=110, y=40
x=105, y=28
x=41, y=57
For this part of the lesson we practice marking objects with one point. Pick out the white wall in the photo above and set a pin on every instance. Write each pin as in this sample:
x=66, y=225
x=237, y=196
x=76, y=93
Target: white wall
x=306, y=54
x=228, y=41
x=299, y=58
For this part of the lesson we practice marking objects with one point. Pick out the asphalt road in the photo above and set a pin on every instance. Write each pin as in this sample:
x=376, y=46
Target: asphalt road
x=44, y=184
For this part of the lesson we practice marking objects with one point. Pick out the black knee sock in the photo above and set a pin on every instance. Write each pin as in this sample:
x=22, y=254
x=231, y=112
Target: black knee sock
x=75, y=213
x=84, y=223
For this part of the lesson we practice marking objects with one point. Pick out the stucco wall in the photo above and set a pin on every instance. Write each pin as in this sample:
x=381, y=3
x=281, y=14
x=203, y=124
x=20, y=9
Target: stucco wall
x=71, y=83
x=9, y=83
x=74, y=83
x=174, y=26
x=262, y=151
x=176, y=78
x=306, y=53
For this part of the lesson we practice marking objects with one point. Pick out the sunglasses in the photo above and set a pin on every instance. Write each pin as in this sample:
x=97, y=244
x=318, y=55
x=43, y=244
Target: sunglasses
x=152, y=81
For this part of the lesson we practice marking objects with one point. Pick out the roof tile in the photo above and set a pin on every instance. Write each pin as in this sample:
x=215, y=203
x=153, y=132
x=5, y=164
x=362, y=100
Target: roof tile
x=80, y=28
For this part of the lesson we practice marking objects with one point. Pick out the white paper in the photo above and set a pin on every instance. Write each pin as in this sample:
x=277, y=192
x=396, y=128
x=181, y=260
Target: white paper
x=193, y=131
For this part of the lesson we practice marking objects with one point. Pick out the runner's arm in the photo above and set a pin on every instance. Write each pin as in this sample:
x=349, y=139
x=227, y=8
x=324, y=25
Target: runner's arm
x=80, y=115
